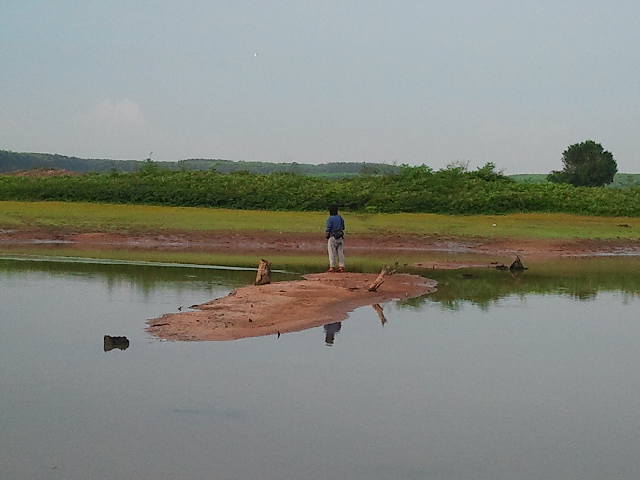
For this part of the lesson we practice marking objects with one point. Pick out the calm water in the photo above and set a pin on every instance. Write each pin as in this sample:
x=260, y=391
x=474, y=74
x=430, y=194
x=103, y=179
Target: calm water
x=494, y=377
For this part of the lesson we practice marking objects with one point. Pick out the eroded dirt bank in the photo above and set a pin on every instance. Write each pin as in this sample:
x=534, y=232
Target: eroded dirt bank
x=283, y=307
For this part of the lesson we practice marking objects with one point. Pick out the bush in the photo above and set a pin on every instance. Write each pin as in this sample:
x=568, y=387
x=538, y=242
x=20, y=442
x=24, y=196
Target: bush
x=415, y=189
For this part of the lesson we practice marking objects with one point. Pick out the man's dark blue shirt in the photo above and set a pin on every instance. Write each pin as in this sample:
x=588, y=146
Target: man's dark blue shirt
x=335, y=223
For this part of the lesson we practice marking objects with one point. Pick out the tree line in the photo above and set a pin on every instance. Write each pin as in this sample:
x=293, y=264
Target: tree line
x=584, y=164
x=11, y=161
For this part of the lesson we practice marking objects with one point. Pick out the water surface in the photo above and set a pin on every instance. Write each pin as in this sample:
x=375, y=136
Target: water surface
x=494, y=377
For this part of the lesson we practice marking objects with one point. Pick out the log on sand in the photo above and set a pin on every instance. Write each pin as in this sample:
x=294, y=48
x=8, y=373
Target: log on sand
x=386, y=270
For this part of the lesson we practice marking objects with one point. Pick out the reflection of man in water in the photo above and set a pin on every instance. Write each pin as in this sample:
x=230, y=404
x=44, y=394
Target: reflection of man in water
x=330, y=331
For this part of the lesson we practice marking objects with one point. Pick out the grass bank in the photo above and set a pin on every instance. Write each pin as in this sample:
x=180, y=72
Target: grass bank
x=289, y=263
x=90, y=217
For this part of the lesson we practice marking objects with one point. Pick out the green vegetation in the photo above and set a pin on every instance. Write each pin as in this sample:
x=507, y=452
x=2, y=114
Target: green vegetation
x=91, y=217
x=10, y=161
x=453, y=190
x=586, y=164
x=529, y=178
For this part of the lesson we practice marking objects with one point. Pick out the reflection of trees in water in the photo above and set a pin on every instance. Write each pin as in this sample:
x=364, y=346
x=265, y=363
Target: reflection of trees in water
x=144, y=278
x=487, y=287
x=585, y=294
x=581, y=279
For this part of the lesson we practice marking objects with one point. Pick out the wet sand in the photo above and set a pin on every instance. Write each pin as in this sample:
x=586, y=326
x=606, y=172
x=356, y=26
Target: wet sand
x=283, y=307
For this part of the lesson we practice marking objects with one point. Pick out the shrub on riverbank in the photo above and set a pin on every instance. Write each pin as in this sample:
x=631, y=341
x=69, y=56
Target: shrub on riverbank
x=416, y=189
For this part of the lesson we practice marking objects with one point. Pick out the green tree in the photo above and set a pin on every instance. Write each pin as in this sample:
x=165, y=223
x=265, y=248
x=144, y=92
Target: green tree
x=586, y=164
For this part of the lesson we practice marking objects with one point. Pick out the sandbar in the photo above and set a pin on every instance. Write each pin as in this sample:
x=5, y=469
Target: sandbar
x=282, y=307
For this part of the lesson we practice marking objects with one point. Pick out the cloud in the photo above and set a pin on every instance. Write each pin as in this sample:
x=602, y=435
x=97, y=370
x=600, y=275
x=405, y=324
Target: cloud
x=115, y=128
x=116, y=114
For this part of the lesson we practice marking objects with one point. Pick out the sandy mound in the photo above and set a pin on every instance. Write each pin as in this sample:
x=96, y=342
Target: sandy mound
x=285, y=306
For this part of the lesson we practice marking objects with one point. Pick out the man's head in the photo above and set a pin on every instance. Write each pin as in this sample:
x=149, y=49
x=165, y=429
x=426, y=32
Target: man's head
x=333, y=210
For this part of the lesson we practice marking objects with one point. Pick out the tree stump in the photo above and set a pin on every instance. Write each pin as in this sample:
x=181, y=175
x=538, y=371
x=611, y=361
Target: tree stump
x=110, y=343
x=263, y=276
x=517, y=264
x=386, y=270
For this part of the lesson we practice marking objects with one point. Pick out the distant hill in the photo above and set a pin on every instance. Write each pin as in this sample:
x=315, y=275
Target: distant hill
x=619, y=180
x=11, y=161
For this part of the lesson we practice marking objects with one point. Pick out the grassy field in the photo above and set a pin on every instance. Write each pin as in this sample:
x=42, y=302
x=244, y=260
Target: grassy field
x=280, y=262
x=88, y=217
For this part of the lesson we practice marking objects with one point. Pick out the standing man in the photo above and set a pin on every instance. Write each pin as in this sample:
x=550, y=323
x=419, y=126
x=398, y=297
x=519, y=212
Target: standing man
x=335, y=240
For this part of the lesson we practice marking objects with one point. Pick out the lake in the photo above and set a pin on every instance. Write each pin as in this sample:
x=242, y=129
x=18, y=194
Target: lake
x=496, y=376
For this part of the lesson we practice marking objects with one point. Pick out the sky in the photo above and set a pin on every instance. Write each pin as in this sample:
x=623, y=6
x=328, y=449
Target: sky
x=413, y=82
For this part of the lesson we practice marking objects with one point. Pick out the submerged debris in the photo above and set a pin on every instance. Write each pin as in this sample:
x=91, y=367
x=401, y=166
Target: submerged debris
x=121, y=343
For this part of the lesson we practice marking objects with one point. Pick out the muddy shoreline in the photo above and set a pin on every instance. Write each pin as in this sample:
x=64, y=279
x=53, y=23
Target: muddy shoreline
x=318, y=299
x=301, y=243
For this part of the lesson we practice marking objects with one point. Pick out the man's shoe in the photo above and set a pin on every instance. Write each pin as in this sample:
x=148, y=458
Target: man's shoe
x=331, y=270
x=341, y=270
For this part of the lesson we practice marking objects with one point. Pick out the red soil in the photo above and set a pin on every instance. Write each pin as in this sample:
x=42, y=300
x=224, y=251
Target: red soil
x=268, y=242
x=283, y=307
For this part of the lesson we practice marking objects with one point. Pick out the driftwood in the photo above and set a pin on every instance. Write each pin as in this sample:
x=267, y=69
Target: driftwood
x=386, y=270
x=264, y=272
x=380, y=313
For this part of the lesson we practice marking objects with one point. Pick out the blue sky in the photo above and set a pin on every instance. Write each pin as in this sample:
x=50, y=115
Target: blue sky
x=319, y=81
